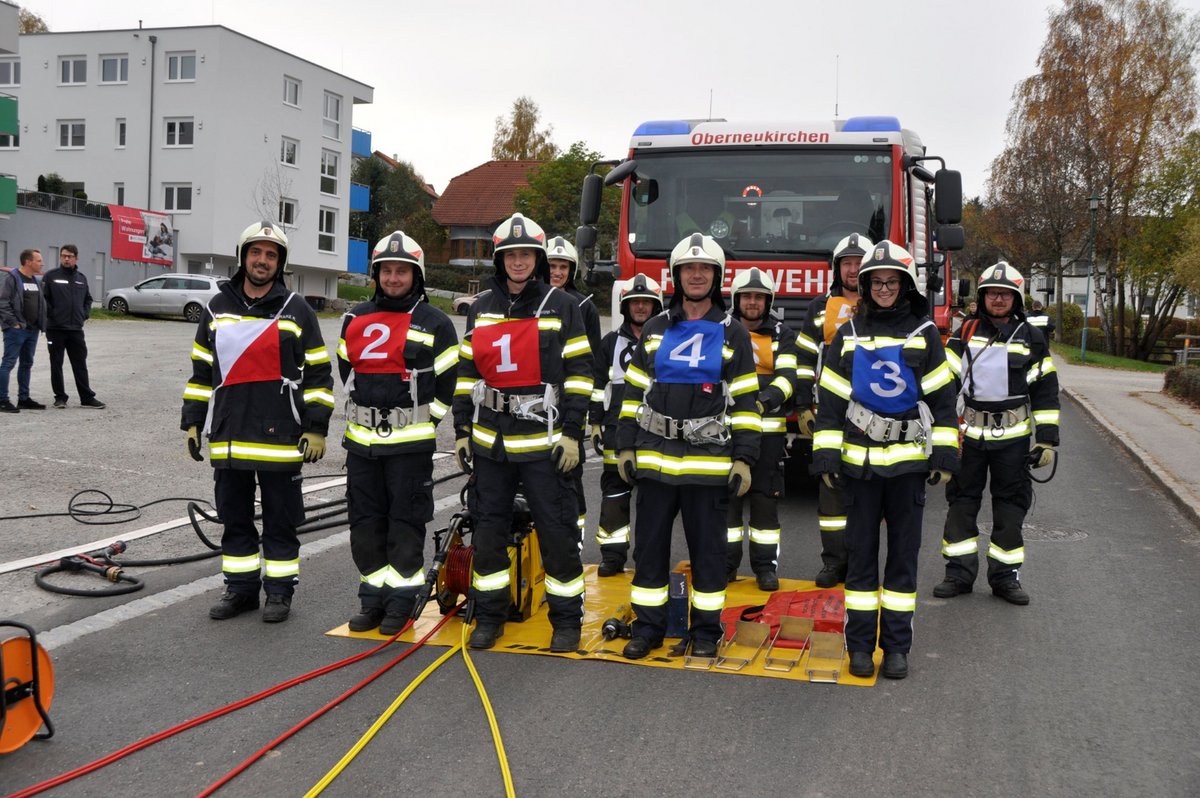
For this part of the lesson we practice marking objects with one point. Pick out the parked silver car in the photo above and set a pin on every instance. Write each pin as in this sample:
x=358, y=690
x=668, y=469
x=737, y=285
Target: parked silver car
x=171, y=294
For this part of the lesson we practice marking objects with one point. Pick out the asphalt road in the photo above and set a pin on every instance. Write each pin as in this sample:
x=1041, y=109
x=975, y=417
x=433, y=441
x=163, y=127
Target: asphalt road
x=1086, y=691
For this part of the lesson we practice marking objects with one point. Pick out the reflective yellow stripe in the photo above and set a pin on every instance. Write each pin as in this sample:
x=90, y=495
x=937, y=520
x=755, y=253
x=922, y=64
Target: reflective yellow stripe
x=713, y=602
x=616, y=536
x=293, y=328
x=1018, y=430
x=200, y=353
x=867, y=601
x=319, y=396
x=629, y=408
x=747, y=421
x=464, y=386
x=883, y=455
x=961, y=548
x=446, y=360
x=650, y=460
x=486, y=582
x=898, y=602
x=369, y=437
x=1045, y=417
x=576, y=347
x=240, y=565
x=769, y=537
x=1014, y=557
x=835, y=383
x=648, y=596
x=832, y=523
x=945, y=436
x=936, y=379
x=733, y=534
x=465, y=351
x=636, y=377
x=341, y=349
x=201, y=393
x=804, y=342
x=744, y=384
x=551, y=324
x=376, y=578
x=438, y=409
x=955, y=361
x=279, y=569
x=318, y=355
x=827, y=439
x=578, y=385
x=564, y=589
x=420, y=337
x=267, y=452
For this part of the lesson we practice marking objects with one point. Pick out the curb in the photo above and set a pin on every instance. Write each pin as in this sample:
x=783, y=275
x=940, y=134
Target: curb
x=1157, y=474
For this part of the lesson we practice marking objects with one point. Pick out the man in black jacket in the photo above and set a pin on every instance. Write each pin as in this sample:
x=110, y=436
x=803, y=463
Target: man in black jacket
x=68, y=305
x=22, y=317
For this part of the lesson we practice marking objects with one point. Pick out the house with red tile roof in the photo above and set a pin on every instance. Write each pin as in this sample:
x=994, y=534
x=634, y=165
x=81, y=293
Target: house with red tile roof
x=475, y=202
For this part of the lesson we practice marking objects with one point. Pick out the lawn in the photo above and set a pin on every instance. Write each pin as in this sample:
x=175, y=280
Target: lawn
x=1105, y=361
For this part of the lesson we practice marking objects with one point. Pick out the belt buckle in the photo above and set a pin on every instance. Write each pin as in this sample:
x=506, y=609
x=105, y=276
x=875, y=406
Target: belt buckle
x=997, y=423
x=887, y=429
x=383, y=426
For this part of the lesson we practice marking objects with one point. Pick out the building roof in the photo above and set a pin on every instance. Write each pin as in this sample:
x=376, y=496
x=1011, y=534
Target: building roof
x=395, y=164
x=484, y=195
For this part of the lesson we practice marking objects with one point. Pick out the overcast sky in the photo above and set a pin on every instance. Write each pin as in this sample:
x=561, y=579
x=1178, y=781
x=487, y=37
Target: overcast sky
x=443, y=70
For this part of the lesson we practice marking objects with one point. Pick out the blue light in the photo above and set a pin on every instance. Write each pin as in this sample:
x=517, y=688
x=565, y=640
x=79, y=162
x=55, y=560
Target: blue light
x=664, y=127
x=871, y=124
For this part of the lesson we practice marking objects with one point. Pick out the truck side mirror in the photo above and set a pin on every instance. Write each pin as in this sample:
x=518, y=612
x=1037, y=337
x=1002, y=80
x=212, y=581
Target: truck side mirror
x=589, y=199
x=950, y=237
x=964, y=290
x=947, y=197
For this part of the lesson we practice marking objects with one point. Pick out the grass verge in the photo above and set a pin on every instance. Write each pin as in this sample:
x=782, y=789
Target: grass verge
x=1103, y=360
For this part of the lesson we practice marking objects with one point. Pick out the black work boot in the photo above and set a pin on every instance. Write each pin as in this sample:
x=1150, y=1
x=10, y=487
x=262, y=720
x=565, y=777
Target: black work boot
x=704, y=648
x=862, y=664
x=949, y=588
x=565, y=639
x=277, y=609
x=233, y=604
x=485, y=635
x=767, y=581
x=1012, y=592
x=639, y=647
x=895, y=665
x=367, y=619
x=396, y=616
x=830, y=576
x=610, y=566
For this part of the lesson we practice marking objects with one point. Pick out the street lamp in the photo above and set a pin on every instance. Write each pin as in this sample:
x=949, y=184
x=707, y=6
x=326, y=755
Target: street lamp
x=1093, y=205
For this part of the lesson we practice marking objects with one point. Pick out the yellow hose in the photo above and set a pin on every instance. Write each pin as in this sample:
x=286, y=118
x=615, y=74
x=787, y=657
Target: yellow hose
x=349, y=756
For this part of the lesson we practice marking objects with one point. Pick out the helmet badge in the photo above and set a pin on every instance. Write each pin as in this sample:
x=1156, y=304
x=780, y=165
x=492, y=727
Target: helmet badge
x=516, y=231
x=393, y=246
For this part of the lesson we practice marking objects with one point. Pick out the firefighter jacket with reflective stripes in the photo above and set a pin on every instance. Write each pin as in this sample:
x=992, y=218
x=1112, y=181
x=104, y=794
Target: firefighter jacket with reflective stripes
x=261, y=376
x=1004, y=367
x=612, y=361
x=387, y=348
x=841, y=447
x=531, y=345
x=816, y=332
x=588, y=315
x=691, y=370
x=775, y=362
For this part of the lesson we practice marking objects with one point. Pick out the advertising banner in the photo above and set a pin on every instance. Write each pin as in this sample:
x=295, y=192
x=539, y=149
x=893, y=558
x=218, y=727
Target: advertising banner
x=142, y=236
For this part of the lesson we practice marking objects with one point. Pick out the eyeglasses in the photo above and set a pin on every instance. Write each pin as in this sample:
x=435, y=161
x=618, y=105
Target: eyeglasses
x=885, y=285
x=999, y=294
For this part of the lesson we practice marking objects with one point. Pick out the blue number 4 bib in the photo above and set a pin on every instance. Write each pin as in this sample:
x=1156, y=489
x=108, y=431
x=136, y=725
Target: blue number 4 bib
x=690, y=353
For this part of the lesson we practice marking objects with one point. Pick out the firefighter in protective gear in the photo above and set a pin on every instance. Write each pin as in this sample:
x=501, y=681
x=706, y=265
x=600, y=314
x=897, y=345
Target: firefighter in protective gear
x=563, y=263
x=775, y=351
x=262, y=392
x=690, y=431
x=825, y=315
x=1008, y=398
x=640, y=300
x=524, y=381
x=398, y=358
x=885, y=422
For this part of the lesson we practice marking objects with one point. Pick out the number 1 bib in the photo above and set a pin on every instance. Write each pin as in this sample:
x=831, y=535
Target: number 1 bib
x=507, y=354
x=375, y=343
x=690, y=353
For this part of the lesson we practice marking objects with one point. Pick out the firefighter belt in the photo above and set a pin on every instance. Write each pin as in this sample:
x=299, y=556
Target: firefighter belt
x=994, y=419
x=696, y=431
x=385, y=418
x=886, y=430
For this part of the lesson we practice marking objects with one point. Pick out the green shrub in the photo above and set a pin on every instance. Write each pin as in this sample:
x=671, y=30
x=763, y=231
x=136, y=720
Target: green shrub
x=355, y=293
x=1071, y=322
x=1183, y=382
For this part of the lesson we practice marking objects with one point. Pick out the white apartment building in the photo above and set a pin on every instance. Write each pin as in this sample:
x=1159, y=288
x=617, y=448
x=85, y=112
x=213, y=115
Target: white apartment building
x=204, y=123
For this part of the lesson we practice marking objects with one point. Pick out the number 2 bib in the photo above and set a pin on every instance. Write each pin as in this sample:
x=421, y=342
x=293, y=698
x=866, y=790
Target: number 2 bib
x=507, y=354
x=375, y=343
x=690, y=353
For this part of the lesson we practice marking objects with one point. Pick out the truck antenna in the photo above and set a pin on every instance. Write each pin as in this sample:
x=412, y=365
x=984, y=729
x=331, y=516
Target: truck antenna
x=710, y=104
x=837, y=74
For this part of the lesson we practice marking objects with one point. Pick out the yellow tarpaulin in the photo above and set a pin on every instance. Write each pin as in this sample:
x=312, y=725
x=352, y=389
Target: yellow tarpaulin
x=603, y=597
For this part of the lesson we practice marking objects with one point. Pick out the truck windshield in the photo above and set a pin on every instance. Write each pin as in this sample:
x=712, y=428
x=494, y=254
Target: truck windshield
x=765, y=205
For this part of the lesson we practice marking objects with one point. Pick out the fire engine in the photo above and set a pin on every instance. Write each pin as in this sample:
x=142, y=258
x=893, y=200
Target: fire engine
x=779, y=196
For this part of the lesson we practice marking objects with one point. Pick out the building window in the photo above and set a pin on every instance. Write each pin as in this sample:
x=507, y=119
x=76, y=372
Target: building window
x=289, y=151
x=181, y=66
x=121, y=133
x=329, y=169
x=327, y=229
x=291, y=91
x=287, y=212
x=114, y=69
x=70, y=134
x=333, y=116
x=179, y=132
x=177, y=197
x=10, y=72
x=72, y=69
x=119, y=193
x=8, y=142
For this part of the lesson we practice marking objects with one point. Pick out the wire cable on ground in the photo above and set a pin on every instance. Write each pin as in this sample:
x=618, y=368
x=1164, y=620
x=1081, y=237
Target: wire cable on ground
x=228, y=777
x=134, y=747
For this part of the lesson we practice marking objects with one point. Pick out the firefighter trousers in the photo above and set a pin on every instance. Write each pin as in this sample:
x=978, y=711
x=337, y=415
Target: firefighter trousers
x=900, y=502
x=831, y=517
x=612, y=533
x=1012, y=494
x=766, y=489
x=553, y=505
x=390, y=502
x=282, y=512
x=704, y=509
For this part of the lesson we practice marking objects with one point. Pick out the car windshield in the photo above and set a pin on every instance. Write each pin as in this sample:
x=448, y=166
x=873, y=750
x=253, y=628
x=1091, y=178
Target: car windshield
x=770, y=205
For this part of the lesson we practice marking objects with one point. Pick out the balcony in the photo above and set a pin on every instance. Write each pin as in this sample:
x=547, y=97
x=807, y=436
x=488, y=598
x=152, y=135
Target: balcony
x=60, y=204
x=360, y=143
x=360, y=197
x=358, y=256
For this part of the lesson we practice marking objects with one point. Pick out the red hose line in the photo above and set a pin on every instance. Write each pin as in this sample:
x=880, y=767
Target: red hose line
x=231, y=775
x=134, y=747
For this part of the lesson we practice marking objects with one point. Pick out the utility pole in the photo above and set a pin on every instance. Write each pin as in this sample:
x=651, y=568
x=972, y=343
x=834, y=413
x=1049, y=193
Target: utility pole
x=1093, y=205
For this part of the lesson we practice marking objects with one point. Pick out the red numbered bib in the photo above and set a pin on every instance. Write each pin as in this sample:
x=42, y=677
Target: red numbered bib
x=507, y=354
x=375, y=343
